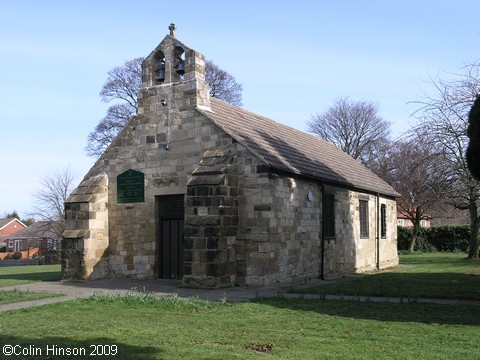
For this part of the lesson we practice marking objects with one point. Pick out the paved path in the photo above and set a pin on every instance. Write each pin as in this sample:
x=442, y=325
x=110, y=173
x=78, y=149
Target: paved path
x=74, y=291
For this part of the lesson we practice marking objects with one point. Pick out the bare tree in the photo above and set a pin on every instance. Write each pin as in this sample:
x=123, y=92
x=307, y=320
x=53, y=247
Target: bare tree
x=354, y=127
x=123, y=84
x=50, y=198
x=414, y=168
x=223, y=85
x=444, y=115
x=108, y=128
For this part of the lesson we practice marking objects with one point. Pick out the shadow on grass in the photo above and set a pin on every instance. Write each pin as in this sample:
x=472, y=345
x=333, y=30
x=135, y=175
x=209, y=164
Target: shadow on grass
x=16, y=275
x=386, y=312
x=447, y=285
x=33, y=276
x=65, y=348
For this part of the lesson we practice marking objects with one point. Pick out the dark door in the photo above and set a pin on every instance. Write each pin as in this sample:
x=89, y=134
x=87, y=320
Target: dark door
x=170, y=219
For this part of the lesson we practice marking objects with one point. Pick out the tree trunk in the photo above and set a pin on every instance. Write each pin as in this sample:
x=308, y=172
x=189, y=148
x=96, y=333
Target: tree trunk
x=473, y=252
x=413, y=239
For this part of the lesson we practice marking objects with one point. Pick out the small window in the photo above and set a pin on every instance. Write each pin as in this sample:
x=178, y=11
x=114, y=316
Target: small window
x=423, y=223
x=329, y=215
x=383, y=219
x=400, y=222
x=52, y=245
x=363, y=219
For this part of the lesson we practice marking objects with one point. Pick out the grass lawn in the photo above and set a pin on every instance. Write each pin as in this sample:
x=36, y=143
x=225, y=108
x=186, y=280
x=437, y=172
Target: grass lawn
x=12, y=296
x=18, y=275
x=142, y=327
x=432, y=275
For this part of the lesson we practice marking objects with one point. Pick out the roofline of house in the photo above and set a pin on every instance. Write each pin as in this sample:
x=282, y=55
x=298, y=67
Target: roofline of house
x=13, y=219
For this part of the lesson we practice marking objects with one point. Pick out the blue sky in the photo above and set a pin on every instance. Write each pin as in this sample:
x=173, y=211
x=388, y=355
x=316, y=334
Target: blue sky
x=293, y=58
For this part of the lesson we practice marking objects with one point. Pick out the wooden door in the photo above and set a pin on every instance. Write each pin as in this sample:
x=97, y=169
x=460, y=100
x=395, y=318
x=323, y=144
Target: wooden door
x=170, y=222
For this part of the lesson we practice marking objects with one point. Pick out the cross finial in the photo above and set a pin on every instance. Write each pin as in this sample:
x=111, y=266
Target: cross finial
x=172, y=29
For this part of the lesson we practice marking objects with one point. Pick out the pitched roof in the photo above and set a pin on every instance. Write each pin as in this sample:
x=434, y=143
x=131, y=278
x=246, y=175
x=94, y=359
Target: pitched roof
x=287, y=149
x=38, y=230
x=6, y=221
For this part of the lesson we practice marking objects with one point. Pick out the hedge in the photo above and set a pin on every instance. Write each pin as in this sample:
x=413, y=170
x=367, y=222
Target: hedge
x=438, y=238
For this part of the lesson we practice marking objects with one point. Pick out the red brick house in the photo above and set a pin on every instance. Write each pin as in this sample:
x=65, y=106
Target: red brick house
x=403, y=220
x=40, y=237
x=10, y=226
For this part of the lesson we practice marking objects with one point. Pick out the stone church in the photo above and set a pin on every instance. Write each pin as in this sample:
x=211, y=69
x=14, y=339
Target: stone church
x=197, y=189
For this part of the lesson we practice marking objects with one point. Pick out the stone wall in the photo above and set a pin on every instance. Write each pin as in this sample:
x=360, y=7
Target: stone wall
x=349, y=252
x=85, y=241
x=340, y=251
x=388, y=244
x=133, y=226
x=245, y=224
x=211, y=223
x=166, y=142
x=279, y=228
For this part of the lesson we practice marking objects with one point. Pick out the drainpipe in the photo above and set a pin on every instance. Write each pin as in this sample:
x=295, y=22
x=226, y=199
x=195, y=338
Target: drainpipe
x=322, y=259
x=378, y=231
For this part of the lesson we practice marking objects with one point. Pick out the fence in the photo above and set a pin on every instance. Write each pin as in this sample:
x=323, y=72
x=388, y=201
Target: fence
x=12, y=262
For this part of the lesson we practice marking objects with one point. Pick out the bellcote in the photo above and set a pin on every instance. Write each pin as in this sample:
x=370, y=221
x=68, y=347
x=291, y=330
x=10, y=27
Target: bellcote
x=172, y=62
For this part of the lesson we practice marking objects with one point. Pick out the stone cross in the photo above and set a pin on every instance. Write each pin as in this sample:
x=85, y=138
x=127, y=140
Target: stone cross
x=172, y=29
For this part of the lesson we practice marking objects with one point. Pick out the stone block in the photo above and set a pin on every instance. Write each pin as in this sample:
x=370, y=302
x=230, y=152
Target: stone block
x=192, y=231
x=200, y=243
x=262, y=207
x=229, y=230
x=210, y=231
x=198, y=269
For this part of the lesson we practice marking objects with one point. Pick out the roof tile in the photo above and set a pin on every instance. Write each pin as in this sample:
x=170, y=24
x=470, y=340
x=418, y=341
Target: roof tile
x=285, y=148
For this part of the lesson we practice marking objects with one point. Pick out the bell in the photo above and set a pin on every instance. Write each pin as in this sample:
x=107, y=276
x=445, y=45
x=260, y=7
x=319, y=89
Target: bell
x=180, y=66
x=160, y=72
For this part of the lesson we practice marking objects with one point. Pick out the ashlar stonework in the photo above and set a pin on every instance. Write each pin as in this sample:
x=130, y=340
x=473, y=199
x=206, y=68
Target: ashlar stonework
x=230, y=197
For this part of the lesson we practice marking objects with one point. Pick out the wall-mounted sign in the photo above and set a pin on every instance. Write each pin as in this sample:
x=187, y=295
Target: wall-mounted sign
x=130, y=187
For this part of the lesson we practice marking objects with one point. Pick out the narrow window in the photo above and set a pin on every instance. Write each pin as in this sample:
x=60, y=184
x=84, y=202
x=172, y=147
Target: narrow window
x=363, y=219
x=383, y=219
x=329, y=215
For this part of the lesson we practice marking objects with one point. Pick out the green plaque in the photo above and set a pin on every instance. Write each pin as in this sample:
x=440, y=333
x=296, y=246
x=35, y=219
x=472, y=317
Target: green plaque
x=130, y=187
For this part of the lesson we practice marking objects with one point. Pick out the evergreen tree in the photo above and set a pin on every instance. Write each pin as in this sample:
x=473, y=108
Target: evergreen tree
x=473, y=132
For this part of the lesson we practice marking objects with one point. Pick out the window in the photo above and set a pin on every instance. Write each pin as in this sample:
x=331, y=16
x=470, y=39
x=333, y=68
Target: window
x=53, y=244
x=400, y=222
x=363, y=219
x=423, y=223
x=329, y=215
x=383, y=220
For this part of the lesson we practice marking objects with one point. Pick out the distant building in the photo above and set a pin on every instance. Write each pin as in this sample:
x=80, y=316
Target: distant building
x=40, y=238
x=450, y=216
x=8, y=227
x=403, y=220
